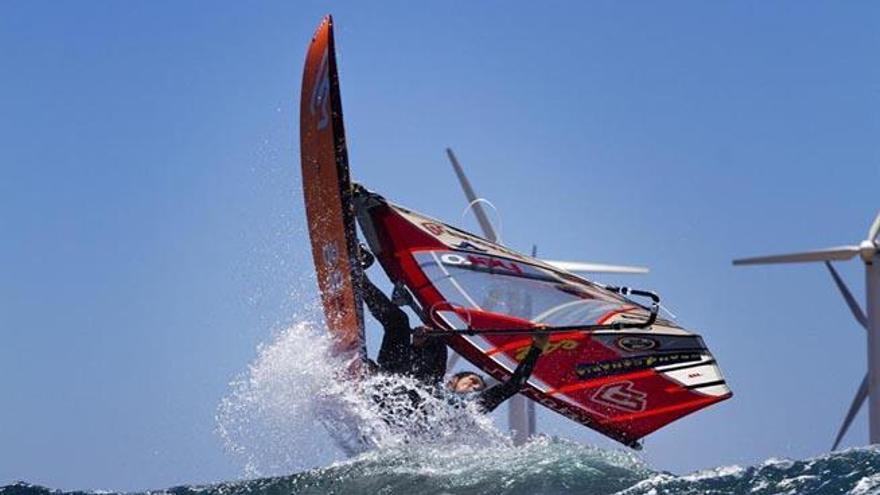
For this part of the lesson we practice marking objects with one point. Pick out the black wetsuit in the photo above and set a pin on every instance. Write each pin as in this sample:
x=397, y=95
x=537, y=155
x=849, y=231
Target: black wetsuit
x=427, y=362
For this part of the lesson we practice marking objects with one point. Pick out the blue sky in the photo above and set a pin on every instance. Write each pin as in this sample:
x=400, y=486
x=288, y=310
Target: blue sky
x=154, y=230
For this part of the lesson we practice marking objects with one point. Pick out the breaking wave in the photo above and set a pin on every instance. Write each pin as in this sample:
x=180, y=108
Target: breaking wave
x=545, y=466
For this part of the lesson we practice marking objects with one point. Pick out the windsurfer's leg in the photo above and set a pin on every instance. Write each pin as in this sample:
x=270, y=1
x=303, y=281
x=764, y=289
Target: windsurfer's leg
x=388, y=314
x=395, y=352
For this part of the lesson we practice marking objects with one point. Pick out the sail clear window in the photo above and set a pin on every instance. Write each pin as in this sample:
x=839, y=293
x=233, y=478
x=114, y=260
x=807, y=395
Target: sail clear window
x=510, y=287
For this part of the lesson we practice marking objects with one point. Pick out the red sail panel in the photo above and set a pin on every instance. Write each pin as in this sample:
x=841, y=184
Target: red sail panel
x=625, y=383
x=327, y=192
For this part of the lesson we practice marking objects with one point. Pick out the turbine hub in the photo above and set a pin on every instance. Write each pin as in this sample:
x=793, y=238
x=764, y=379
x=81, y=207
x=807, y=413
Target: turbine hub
x=867, y=250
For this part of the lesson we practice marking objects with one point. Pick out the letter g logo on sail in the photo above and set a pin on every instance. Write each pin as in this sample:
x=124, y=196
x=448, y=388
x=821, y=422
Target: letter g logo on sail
x=321, y=92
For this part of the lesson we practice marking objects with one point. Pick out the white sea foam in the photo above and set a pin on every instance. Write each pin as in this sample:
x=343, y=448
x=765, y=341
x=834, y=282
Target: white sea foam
x=714, y=473
x=268, y=418
x=289, y=411
x=867, y=485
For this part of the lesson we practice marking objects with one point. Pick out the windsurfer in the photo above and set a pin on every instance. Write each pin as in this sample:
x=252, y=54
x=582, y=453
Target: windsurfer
x=406, y=351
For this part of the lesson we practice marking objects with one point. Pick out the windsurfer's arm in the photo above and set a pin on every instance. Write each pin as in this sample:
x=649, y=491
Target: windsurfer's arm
x=494, y=396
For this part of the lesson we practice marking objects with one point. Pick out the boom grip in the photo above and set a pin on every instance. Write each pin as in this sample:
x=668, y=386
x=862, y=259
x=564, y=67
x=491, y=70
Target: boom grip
x=655, y=304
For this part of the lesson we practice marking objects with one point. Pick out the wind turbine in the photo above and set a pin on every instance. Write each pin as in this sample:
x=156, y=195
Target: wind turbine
x=521, y=411
x=867, y=250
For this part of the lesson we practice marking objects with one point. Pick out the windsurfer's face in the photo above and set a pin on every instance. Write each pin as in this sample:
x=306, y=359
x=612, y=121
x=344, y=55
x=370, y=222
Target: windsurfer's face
x=468, y=383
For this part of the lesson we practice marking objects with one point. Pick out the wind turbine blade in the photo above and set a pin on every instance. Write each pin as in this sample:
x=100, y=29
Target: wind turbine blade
x=857, y=402
x=848, y=297
x=480, y=213
x=579, y=266
x=875, y=228
x=838, y=253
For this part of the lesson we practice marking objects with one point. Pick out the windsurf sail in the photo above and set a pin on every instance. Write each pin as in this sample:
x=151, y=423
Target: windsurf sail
x=327, y=192
x=612, y=364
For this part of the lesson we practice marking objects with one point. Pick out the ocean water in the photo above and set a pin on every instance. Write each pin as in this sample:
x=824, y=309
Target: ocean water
x=284, y=409
x=544, y=466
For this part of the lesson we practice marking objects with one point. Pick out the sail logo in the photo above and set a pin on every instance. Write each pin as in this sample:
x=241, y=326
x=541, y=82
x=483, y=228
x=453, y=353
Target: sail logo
x=321, y=92
x=434, y=228
x=636, y=343
x=622, y=396
x=551, y=347
x=330, y=254
x=485, y=262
